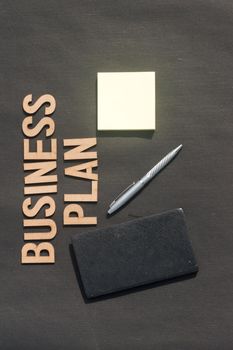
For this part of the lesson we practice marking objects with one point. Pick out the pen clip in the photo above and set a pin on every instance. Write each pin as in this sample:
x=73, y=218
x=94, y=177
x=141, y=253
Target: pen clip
x=119, y=195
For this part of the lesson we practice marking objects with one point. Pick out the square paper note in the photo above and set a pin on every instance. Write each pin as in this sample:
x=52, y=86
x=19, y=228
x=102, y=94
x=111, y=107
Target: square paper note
x=126, y=101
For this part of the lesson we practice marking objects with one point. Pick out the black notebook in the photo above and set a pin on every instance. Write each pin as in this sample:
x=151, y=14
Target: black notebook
x=135, y=253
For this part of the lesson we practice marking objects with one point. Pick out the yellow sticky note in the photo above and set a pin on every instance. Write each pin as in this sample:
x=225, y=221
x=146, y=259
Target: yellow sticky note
x=126, y=101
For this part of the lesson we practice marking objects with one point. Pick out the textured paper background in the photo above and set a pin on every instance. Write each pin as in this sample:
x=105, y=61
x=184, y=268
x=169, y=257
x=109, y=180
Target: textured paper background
x=57, y=47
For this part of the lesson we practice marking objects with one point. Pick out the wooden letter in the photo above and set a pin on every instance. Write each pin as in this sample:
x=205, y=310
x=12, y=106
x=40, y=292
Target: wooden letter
x=81, y=145
x=40, y=189
x=49, y=99
x=79, y=218
x=37, y=249
x=84, y=197
x=40, y=235
x=32, y=132
x=75, y=170
x=43, y=201
x=38, y=175
x=39, y=154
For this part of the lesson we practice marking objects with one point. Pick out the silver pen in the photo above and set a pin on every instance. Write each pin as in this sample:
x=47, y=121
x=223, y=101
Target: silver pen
x=135, y=187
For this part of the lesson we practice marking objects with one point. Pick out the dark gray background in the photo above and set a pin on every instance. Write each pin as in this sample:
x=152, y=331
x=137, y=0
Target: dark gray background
x=58, y=47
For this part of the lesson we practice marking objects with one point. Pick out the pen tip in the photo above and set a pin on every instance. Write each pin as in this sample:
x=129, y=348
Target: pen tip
x=177, y=149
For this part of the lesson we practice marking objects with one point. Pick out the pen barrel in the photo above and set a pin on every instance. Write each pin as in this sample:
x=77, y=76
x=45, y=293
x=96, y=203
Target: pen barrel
x=153, y=172
x=159, y=166
x=127, y=196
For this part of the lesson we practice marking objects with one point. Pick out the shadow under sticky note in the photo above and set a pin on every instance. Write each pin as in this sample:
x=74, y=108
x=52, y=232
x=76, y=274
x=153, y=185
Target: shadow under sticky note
x=135, y=253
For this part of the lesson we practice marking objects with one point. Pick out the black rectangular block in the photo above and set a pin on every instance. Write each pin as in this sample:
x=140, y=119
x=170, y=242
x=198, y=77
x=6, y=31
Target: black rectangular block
x=134, y=253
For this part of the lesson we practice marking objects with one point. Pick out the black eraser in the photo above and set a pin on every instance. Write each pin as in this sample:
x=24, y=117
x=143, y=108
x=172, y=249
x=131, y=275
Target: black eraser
x=135, y=253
